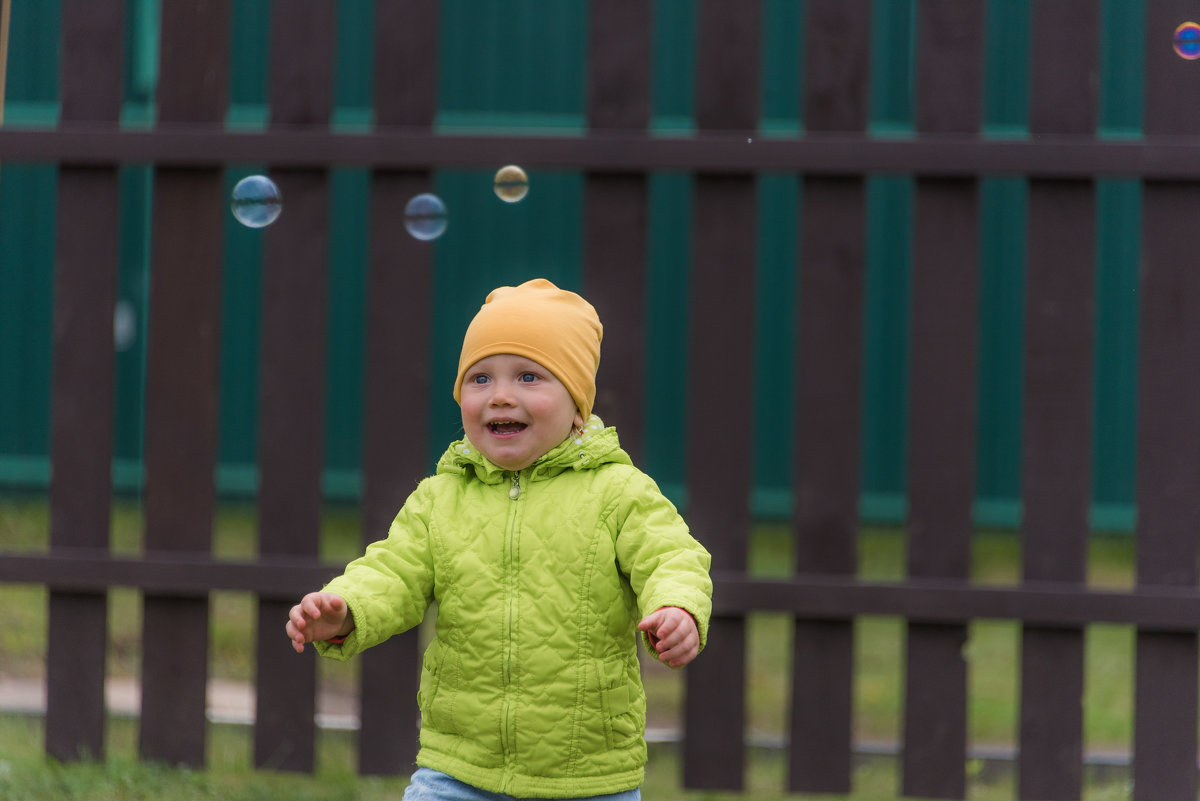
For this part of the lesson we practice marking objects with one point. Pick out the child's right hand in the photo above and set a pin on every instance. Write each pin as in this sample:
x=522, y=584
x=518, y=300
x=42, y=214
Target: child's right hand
x=318, y=616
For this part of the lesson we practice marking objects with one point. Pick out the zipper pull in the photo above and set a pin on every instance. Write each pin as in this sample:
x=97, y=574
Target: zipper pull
x=514, y=491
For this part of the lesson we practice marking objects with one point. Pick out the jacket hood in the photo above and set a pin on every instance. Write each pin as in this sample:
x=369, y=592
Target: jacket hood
x=598, y=445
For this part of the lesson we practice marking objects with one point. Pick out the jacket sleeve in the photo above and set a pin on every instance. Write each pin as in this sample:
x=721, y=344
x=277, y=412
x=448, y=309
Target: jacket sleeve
x=390, y=586
x=666, y=566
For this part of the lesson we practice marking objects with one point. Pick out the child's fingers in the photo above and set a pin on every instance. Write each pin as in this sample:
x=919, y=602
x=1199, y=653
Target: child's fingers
x=682, y=652
x=297, y=617
x=311, y=605
x=296, y=635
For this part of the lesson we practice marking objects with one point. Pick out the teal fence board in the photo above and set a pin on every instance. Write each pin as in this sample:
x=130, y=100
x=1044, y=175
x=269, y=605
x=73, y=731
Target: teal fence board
x=522, y=64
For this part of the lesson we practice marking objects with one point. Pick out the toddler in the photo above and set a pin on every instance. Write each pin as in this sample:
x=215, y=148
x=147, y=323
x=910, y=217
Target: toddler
x=546, y=552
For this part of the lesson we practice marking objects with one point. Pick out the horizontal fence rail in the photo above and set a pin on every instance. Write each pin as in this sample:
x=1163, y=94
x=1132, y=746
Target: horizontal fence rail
x=817, y=597
x=1162, y=157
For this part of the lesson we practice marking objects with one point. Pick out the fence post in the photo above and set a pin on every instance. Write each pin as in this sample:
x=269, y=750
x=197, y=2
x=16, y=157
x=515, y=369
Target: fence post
x=829, y=367
x=82, y=400
x=292, y=376
x=720, y=368
x=620, y=41
x=182, y=377
x=1168, y=444
x=399, y=325
x=942, y=396
x=1057, y=438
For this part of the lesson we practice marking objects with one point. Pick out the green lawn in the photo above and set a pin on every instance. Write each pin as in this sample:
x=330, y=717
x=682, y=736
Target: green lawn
x=993, y=654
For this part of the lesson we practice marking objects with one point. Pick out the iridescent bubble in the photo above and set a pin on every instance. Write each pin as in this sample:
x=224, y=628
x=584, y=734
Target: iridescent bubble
x=124, y=325
x=511, y=184
x=1187, y=41
x=425, y=217
x=256, y=202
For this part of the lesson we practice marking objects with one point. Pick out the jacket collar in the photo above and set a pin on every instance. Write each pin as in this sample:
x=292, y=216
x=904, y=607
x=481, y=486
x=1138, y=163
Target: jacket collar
x=597, y=445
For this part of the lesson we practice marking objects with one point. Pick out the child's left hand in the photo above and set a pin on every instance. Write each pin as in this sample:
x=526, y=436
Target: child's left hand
x=673, y=633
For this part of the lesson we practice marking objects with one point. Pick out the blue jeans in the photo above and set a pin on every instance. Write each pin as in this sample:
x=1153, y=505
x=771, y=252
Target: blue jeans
x=433, y=785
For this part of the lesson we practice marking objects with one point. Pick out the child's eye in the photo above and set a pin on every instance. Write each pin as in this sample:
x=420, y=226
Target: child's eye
x=527, y=378
x=479, y=379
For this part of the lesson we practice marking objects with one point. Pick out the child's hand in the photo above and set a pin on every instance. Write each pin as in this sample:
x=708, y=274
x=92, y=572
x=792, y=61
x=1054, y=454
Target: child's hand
x=673, y=633
x=318, y=616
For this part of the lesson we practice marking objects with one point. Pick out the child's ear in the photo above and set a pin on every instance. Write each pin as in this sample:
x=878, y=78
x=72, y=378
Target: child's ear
x=578, y=420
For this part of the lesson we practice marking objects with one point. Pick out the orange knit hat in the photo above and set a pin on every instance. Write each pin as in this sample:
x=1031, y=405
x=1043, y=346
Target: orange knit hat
x=555, y=328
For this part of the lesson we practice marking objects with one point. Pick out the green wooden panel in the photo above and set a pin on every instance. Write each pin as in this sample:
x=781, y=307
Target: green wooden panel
x=27, y=231
x=33, y=53
x=1119, y=233
x=348, y=243
x=129, y=323
x=241, y=301
x=666, y=450
x=775, y=338
x=892, y=37
x=250, y=50
x=1001, y=343
x=885, y=370
x=504, y=61
x=673, y=64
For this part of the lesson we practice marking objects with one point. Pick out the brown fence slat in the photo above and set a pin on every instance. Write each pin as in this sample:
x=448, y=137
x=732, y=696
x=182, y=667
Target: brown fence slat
x=831, y=290
x=292, y=376
x=398, y=332
x=1168, y=448
x=615, y=211
x=182, y=362
x=943, y=396
x=724, y=258
x=82, y=392
x=1056, y=450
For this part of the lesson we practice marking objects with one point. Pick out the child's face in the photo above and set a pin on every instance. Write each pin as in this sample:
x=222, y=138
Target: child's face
x=515, y=410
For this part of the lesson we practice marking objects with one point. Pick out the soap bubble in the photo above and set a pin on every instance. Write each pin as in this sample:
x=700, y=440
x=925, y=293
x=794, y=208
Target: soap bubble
x=256, y=202
x=124, y=325
x=425, y=217
x=511, y=184
x=1187, y=41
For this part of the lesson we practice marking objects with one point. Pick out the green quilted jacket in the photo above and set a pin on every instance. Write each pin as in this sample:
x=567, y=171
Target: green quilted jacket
x=531, y=686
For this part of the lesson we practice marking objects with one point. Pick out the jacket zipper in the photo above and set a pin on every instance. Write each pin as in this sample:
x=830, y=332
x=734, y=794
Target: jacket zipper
x=514, y=493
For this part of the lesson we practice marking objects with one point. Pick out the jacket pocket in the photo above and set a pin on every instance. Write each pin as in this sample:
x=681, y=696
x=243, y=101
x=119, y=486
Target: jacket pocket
x=435, y=696
x=623, y=707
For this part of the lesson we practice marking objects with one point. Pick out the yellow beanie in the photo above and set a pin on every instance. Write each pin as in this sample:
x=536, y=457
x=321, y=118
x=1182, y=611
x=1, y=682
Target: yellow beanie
x=556, y=328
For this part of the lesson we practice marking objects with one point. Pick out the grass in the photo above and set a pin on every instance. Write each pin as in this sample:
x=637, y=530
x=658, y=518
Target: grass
x=993, y=654
x=229, y=777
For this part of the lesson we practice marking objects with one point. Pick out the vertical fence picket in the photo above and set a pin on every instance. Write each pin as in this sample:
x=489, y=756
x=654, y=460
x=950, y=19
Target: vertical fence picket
x=1168, y=448
x=943, y=396
x=1056, y=451
x=399, y=323
x=292, y=375
x=831, y=291
x=724, y=229
x=181, y=380
x=615, y=208
x=82, y=399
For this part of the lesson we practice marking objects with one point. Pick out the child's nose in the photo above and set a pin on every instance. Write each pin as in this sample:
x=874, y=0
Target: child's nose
x=501, y=396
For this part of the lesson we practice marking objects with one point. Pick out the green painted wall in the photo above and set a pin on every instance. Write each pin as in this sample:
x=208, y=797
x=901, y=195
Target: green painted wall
x=521, y=64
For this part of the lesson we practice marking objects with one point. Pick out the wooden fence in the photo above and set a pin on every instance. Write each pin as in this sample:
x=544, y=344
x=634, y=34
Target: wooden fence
x=1061, y=160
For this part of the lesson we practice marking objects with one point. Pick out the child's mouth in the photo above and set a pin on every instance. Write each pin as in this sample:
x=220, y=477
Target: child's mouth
x=506, y=428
